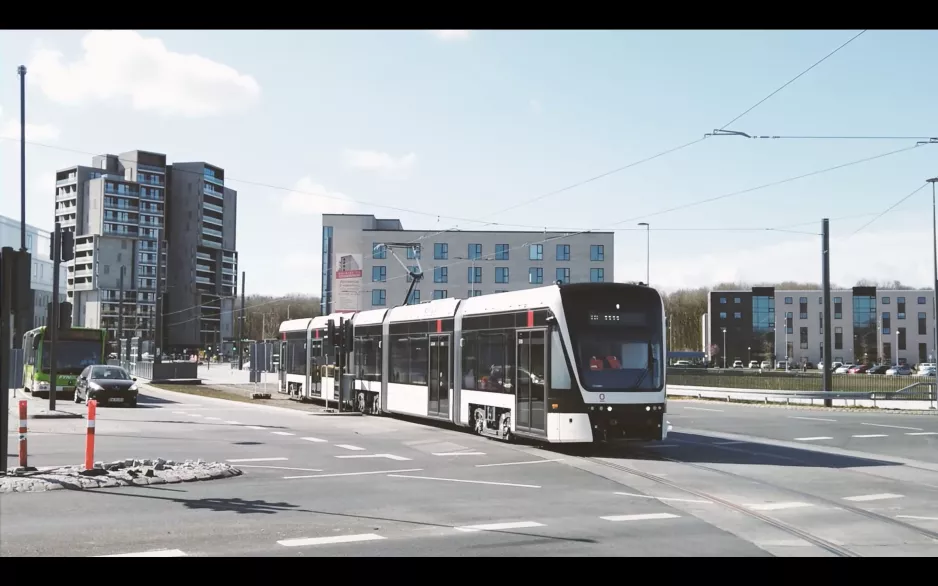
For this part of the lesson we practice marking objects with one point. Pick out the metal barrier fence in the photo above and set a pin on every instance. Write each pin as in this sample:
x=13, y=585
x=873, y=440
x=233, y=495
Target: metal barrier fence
x=164, y=371
x=916, y=391
x=790, y=381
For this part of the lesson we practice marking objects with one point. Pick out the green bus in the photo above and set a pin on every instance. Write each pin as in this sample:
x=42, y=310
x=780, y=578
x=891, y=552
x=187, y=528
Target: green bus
x=75, y=349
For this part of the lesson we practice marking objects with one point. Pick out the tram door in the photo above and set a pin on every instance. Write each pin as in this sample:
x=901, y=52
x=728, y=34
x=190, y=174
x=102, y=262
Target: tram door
x=531, y=395
x=438, y=378
x=282, y=367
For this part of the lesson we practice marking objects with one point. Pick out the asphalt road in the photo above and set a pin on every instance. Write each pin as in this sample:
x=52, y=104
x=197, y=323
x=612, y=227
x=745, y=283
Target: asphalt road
x=318, y=485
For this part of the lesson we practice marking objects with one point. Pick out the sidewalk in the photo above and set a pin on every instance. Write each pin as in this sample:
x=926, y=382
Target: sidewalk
x=37, y=408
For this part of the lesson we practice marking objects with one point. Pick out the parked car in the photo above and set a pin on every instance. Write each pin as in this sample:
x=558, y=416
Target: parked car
x=781, y=365
x=737, y=364
x=106, y=384
x=753, y=364
x=901, y=370
x=765, y=365
x=927, y=371
x=859, y=368
x=878, y=369
x=843, y=368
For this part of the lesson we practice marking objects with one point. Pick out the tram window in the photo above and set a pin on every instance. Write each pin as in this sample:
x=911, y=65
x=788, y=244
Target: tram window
x=559, y=373
x=399, y=360
x=488, y=361
x=419, y=359
x=368, y=358
x=470, y=352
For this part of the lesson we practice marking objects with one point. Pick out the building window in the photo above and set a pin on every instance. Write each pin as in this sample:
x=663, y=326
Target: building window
x=789, y=322
x=378, y=297
x=413, y=252
x=501, y=274
x=563, y=252
x=414, y=297
x=921, y=301
x=820, y=301
x=475, y=251
x=803, y=307
x=722, y=300
x=738, y=315
x=535, y=275
x=722, y=315
x=440, y=274
x=737, y=300
x=440, y=251
x=475, y=293
x=379, y=274
x=886, y=323
x=474, y=275
x=788, y=301
x=885, y=301
x=838, y=338
x=838, y=308
x=501, y=252
x=921, y=324
x=901, y=338
x=887, y=351
x=922, y=352
x=379, y=251
x=410, y=271
x=804, y=338
x=563, y=275
x=900, y=307
x=597, y=275
x=439, y=294
x=597, y=252
x=536, y=252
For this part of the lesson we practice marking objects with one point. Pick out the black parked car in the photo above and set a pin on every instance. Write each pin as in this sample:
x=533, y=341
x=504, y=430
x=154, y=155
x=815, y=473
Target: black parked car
x=106, y=384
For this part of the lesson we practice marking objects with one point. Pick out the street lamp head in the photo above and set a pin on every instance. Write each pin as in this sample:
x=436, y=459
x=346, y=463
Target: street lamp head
x=932, y=180
x=643, y=224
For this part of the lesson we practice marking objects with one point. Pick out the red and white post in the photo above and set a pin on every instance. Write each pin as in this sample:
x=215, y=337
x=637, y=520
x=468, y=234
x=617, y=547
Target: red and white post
x=23, y=429
x=89, y=438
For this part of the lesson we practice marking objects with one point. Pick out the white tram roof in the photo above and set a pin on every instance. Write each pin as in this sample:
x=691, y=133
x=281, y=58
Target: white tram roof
x=370, y=317
x=322, y=322
x=436, y=309
x=295, y=325
x=538, y=297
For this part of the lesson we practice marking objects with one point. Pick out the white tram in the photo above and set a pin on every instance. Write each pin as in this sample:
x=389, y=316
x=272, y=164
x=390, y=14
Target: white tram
x=564, y=363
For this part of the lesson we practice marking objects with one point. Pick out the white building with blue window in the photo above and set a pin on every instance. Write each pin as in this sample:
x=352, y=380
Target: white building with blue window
x=360, y=272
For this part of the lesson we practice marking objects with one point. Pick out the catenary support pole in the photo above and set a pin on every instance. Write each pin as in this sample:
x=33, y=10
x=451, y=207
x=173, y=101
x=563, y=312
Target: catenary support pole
x=54, y=318
x=826, y=278
x=241, y=324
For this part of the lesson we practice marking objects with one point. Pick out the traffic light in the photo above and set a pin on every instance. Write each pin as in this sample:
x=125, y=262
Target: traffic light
x=68, y=245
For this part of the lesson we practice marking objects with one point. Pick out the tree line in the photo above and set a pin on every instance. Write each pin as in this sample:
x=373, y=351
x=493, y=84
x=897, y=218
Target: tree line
x=684, y=307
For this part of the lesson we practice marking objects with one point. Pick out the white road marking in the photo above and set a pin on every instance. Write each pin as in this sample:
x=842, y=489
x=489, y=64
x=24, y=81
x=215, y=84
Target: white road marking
x=162, y=553
x=519, y=463
x=257, y=460
x=811, y=439
x=661, y=498
x=348, y=447
x=645, y=517
x=662, y=446
x=180, y=413
x=728, y=443
x=282, y=433
x=924, y=433
x=458, y=453
x=892, y=426
x=194, y=415
x=871, y=435
x=327, y=540
x=778, y=506
x=466, y=481
x=233, y=422
x=873, y=497
x=916, y=517
x=388, y=456
x=314, y=439
x=813, y=419
x=704, y=409
x=280, y=468
x=353, y=473
x=214, y=418
x=500, y=526
x=256, y=427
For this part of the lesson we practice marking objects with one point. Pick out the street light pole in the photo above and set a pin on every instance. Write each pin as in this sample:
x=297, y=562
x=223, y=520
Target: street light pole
x=934, y=235
x=648, y=253
x=724, y=348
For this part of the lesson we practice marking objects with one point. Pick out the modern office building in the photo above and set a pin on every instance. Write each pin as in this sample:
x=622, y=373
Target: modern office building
x=870, y=325
x=360, y=272
x=40, y=282
x=118, y=209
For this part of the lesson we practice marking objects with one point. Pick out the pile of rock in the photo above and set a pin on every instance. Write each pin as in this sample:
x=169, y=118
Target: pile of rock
x=129, y=472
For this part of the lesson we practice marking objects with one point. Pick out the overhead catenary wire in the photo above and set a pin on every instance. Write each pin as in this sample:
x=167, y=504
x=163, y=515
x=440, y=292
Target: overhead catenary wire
x=890, y=208
x=792, y=80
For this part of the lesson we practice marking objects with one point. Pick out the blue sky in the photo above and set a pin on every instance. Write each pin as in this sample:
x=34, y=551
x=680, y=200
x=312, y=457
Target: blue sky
x=466, y=125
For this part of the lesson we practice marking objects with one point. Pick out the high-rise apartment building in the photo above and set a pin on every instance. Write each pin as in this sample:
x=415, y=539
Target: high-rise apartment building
x=118, y=209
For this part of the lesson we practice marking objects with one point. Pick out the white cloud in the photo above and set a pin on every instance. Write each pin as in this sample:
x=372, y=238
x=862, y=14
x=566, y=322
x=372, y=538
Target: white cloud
x=309, y=198
x=452, y=35
x=10, y=128
x=880, y=256
x=383, y=163
x=117, y=66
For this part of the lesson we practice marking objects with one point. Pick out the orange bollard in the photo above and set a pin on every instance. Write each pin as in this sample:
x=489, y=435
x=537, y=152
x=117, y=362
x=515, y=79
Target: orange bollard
x=89, y=438
x=23, y=434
